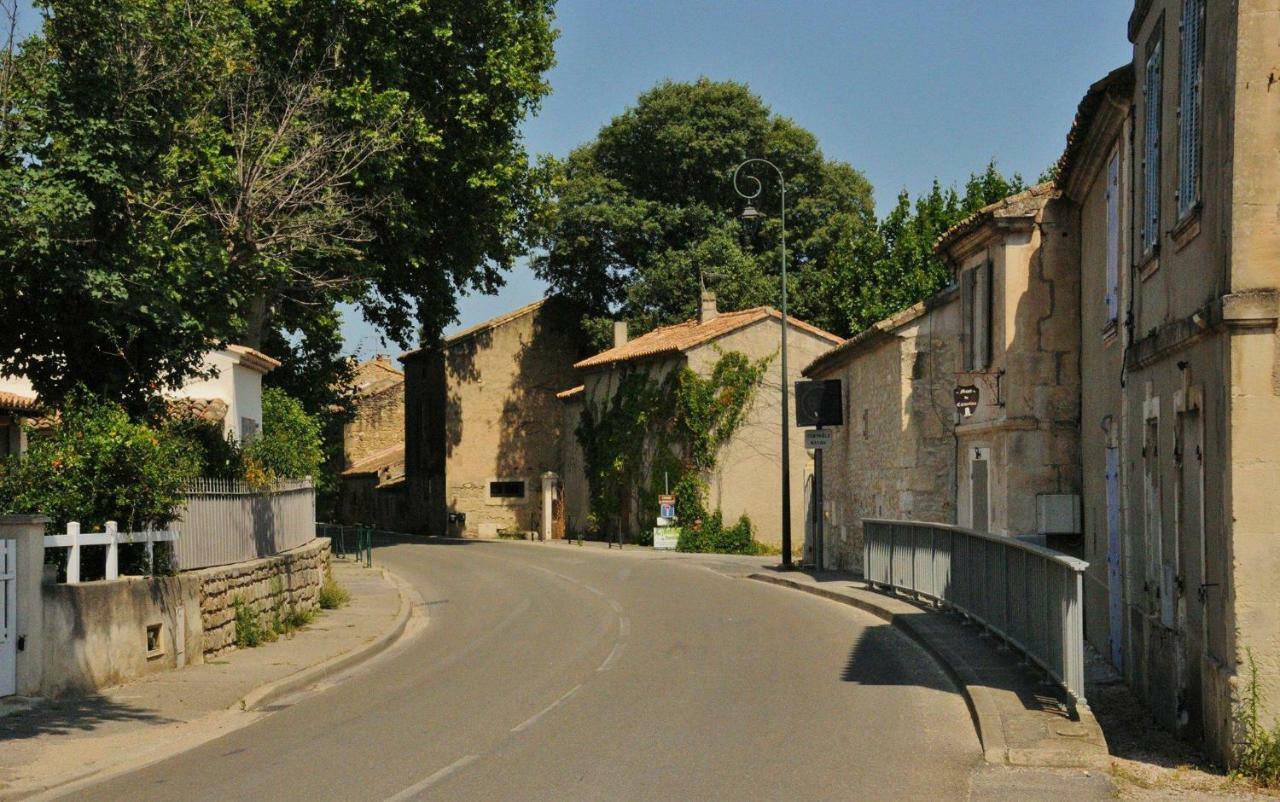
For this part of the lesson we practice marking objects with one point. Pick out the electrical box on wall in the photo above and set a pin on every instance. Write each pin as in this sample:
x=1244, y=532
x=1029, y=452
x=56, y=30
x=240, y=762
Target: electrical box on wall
x=1058, y=514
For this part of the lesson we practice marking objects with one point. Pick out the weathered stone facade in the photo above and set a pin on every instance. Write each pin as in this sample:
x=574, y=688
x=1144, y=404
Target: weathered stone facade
x=290, y=580
x=378, y=422
x=895, y=456
x=483, y=423
x=1173, y=170
x=1016, y=268
x=747, y=479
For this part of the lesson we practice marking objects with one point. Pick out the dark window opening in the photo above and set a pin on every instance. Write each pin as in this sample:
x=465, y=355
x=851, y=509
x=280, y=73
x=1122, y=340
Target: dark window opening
x=506, y=489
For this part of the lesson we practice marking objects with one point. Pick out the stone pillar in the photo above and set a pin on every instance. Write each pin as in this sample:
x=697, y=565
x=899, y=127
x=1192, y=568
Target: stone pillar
x=28, y=530
x=549, y=482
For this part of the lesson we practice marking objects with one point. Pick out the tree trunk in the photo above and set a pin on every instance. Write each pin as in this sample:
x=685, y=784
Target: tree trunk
x=257, y=319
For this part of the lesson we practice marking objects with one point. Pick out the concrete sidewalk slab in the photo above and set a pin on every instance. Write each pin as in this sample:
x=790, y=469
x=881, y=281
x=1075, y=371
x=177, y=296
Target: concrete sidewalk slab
x=57, y=742
x=1021, y=719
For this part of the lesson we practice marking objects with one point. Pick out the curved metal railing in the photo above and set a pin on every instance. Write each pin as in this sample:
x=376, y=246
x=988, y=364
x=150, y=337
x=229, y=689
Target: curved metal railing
x=1027, y=594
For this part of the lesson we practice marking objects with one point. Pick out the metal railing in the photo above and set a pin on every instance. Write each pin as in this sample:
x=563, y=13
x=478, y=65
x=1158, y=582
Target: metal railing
x=1030, y=596
x=347, y=540
x=228, y=521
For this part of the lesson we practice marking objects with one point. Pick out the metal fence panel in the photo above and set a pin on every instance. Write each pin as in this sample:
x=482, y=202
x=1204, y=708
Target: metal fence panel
x=1029, y=595
x=226, y=521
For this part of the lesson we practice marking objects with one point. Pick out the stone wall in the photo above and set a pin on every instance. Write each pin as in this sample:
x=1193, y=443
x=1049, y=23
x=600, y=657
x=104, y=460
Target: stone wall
x=378, y=423
x=290, y=579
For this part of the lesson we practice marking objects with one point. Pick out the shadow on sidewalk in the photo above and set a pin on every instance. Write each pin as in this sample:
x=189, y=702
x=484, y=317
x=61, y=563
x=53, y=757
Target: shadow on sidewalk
x=72, y=714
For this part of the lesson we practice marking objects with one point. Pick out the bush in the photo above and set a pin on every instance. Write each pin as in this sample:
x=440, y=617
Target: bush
x=249, y=631
x=710, y=535
x=95, y=465
x=333, y=595
x=290, y=444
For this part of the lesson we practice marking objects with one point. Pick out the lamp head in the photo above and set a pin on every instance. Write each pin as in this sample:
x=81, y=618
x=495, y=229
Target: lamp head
x=752, y=218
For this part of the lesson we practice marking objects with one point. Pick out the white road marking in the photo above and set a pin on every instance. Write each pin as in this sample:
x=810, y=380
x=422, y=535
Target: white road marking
x=624, y=626
x=422, y=785
x=613, y=656
x=529, y=722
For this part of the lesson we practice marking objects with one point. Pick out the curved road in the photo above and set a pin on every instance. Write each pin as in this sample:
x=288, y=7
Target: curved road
x=553, y=672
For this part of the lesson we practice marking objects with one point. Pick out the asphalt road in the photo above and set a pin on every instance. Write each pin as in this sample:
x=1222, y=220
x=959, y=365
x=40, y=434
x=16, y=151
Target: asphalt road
x=557, y=673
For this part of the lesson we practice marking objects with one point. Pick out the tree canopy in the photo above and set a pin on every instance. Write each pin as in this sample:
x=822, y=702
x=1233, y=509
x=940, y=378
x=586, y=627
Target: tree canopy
x=635, y=219
x=179, y=174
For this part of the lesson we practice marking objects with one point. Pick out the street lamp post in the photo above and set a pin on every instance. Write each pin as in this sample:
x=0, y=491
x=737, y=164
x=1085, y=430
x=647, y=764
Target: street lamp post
x=751, y=215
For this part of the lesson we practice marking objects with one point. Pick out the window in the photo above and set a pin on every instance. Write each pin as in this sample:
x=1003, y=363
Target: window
x=249, y=429
x=1152, y=517
x=979, y=489
x=978, y=304
x=1190, y=75
x=1113, y=240
x=506, y=488
x=1151, y=147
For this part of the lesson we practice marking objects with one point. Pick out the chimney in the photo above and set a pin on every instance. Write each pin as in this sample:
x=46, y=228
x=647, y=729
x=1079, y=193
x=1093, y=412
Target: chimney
x=707, y=310
x=619, y=333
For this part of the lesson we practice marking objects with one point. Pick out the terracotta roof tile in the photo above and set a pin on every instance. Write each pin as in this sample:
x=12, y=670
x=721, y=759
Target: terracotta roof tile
x=211, y=410
x=378, y=461
x=681, y=337
x=17, y=402
x=1027, y=203
x=1120, y=79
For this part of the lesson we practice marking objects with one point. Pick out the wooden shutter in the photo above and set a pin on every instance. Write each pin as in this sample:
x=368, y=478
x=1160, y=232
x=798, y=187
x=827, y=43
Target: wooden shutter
x=988, y=305
x=1190, y=74
x=1151, y=151
x=966, y=314
x=1113, y=238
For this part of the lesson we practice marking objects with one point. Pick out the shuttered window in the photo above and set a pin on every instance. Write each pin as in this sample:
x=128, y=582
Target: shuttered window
x=1190, y=77
x=1151, y=149
x=976, y=285
x=1113, y=238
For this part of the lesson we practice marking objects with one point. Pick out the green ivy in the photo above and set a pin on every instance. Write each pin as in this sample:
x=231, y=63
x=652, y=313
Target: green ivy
x=653, y=431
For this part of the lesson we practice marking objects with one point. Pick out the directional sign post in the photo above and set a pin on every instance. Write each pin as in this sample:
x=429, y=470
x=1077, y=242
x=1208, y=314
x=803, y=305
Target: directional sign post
x=818, y=439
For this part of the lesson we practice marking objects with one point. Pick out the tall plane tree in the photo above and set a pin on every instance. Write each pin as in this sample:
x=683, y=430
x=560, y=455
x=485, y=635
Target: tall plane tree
x=186, y=173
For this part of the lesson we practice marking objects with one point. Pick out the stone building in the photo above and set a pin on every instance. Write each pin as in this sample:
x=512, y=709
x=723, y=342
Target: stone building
x=1005, y=330
x=1172, y=167
x=895, y=456
x=371, y=484
x=483, y=424
x=747, y=479
x=1017, y=453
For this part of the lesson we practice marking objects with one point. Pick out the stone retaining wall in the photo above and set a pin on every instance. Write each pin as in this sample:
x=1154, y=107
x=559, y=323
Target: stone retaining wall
x=291, y=579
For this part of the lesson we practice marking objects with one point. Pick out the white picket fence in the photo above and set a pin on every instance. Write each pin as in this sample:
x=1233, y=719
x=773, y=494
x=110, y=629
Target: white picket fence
x=110, y=537
x=222, y=522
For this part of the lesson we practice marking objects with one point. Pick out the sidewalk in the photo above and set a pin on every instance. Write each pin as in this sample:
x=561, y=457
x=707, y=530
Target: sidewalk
x=51, y=744
x=1021, y=719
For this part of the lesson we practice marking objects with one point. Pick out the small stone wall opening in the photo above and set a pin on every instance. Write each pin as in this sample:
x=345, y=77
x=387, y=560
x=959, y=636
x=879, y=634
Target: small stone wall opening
x=155, y=641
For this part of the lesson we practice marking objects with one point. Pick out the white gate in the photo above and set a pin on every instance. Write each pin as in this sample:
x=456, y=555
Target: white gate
x=8, y=617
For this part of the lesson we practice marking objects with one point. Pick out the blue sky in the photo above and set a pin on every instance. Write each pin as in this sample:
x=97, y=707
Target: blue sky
x=904, y=90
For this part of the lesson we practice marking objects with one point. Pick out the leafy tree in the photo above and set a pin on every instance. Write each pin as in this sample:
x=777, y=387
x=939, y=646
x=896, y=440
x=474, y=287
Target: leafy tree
x=882, y=274
x=289, y=446
x=637, y=218
x=183, y=174
x=94, y=464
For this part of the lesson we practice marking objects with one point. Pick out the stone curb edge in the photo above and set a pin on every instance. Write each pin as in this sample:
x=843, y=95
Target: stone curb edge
x=264, y=695
x=982, y=709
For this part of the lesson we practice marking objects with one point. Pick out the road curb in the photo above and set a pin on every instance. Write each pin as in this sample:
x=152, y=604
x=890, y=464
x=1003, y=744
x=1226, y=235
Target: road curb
x=264, y=695
x=982, y=707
